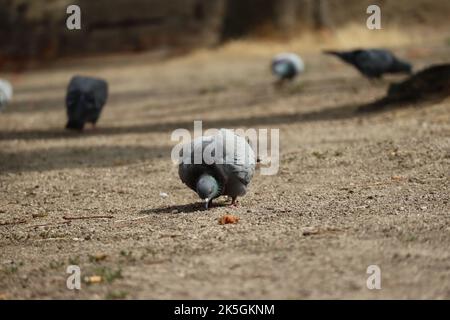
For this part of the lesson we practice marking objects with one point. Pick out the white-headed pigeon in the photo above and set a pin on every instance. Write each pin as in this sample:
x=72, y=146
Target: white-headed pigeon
x=286, y=66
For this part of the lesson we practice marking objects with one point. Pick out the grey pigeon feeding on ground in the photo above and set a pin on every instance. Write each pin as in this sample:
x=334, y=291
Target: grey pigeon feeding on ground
x=286, y=66
x=373, y=63
x=227, y=172
x=85, y=99
x=6, y=92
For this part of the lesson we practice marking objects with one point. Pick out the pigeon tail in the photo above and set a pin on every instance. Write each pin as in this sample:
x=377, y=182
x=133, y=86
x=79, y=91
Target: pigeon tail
x=331, y=52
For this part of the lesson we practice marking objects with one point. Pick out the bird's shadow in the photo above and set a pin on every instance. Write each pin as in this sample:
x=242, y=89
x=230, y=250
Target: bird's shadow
x=184, y=208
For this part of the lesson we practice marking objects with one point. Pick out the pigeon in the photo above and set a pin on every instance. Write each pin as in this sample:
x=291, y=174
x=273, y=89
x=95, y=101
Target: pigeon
x=85, y=99
x=286, y=66
x=221, y=164
x=373, y=63
x=6, y=93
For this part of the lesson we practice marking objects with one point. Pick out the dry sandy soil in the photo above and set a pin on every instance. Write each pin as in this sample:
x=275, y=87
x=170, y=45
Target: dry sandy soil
x=352, y=190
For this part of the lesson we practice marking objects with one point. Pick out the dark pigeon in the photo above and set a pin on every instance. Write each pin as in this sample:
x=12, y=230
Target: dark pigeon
x=373, y=63
x=85, y=99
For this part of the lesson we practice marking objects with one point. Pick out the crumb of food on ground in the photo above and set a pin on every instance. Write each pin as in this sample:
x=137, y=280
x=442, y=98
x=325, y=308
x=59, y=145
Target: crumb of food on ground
x=93, y=279
x=228, y=218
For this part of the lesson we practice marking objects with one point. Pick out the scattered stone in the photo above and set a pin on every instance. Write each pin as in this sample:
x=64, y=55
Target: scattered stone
x=310, y=231
x=39, y=215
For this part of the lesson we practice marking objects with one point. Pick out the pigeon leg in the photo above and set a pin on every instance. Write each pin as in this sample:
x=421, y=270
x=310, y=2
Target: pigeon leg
x=279, y=84
x=234, y=202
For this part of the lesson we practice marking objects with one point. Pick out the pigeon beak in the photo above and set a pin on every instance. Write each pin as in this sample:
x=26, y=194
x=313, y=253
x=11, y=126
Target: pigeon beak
x=206, y=200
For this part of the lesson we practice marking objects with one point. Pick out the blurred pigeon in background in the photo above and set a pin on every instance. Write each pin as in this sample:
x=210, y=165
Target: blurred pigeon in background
x=286, y=66
x=6, y=92
x=85, y=99
x=373, y=63
x=227, y=172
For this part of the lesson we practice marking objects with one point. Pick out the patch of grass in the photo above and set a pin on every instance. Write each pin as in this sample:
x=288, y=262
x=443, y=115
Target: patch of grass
x=12, y=268
x=319, y=155
x=411, y=238
x=128, y=255
x=74, y=260
x=56, y=264
x=109, y=274
x=116, y=295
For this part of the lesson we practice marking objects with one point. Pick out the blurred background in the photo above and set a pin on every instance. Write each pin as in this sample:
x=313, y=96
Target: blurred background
x=35, y=30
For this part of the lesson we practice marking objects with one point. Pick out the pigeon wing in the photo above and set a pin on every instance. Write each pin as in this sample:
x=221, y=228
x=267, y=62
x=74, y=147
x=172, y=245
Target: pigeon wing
x=373, y=62
x=239, y=158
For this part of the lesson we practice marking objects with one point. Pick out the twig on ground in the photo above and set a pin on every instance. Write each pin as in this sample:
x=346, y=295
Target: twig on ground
x=128, y=220
x=87, y=217
x=49, y=224
x=8, y=223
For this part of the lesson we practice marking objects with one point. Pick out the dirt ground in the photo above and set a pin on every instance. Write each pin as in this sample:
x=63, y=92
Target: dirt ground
x=353, y=190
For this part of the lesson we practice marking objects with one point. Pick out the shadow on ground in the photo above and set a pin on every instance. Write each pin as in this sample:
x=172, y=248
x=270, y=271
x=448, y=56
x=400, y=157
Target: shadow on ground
x=185, y=208
x=328, y=114
x=78, y=157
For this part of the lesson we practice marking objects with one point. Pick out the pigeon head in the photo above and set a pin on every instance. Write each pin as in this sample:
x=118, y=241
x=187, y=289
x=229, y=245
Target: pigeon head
x=401, y=66
x=207, y=188
x=281, y=68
